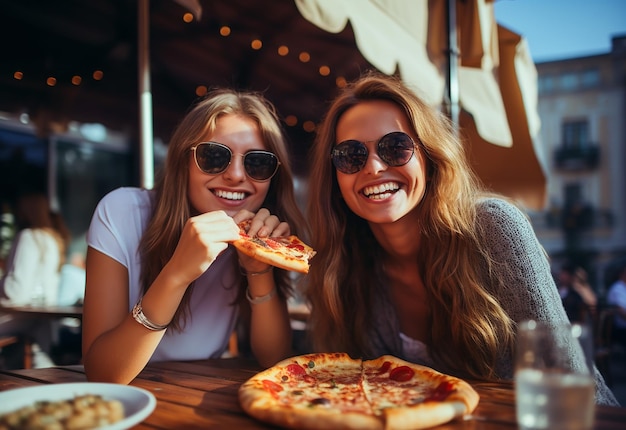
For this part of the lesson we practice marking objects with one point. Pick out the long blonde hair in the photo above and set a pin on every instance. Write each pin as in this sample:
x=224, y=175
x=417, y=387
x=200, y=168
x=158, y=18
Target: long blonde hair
x=469, y=327
x=172, y=207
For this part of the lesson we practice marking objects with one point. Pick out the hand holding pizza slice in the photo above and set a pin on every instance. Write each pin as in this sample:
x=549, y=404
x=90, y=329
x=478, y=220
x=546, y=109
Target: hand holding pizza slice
x=285, y=252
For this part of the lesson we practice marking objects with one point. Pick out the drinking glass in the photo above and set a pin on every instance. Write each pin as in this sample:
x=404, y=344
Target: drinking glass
x=554, y=384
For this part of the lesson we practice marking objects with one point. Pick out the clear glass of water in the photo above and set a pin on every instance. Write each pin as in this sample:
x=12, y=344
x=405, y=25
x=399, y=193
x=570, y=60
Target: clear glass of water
x=554, y=385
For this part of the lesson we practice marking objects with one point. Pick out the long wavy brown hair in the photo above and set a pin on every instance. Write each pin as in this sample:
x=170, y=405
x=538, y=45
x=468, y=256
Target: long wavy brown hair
x=469, y=326
x=172, y=208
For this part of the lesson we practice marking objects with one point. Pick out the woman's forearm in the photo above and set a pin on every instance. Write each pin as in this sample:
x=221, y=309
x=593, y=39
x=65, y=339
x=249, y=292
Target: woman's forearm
x=270, y=329
x=119, y=354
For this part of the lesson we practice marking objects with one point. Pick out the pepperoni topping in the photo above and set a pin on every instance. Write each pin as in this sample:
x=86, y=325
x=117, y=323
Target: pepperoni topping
x=385, y=367
x=440, y=393
x=272, y=387
x=296, y=246
x=401, y=373
x=295, y=369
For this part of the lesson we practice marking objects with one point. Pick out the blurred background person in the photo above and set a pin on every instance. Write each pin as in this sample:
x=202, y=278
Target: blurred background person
x=617, y=297
x=579, y=299
x=72, y=282
x=32, y=270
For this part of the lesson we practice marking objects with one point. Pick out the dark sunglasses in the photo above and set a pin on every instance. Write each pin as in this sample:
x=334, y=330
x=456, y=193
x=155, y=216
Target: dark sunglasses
x=214, y=158
x=395, y=149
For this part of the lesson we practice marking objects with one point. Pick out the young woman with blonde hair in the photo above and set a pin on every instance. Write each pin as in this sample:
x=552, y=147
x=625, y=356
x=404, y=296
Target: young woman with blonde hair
x=161, y=259
x=414, y=258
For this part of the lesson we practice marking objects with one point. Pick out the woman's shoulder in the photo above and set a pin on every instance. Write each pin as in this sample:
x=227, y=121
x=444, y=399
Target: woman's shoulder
x=496, y=214
x=128, y=194
x=500, y=210
x=127, y=197
x=498, y=207
x=124, y=207
x=120, y=217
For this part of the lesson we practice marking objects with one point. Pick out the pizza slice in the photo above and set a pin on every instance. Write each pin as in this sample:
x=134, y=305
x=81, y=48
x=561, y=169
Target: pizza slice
x=410, y=396
x=308, y=392
x=285, y=252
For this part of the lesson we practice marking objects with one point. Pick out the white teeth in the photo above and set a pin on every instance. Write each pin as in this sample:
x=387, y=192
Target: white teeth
x=229, y=195
x=379, y=192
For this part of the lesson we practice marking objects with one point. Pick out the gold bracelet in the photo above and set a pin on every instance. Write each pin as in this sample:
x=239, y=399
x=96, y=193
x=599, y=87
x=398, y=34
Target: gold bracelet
x=261, y=299
x=245, y=273
x=139, y=316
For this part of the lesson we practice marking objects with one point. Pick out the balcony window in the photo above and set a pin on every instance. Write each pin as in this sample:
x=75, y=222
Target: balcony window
x=590, y=78
x=576, y=151
x=575, y=134
x=569, y=81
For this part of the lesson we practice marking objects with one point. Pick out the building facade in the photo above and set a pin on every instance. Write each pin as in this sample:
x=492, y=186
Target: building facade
x=582, y=106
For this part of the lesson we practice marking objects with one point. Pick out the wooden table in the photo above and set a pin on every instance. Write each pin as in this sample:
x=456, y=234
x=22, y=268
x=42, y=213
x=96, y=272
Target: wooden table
x=48, y=313
x=51, y=312
x=203, y=394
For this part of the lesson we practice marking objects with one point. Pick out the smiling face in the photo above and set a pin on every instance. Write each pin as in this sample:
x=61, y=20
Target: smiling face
x=380, y=193
x=230, y=190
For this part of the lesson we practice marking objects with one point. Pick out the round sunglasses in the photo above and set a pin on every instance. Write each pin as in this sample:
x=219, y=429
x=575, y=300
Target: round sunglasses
x=214, y=158
x=395, y=149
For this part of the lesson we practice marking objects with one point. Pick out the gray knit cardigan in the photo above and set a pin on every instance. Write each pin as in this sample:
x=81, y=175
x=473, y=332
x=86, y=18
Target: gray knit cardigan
x=530, y=293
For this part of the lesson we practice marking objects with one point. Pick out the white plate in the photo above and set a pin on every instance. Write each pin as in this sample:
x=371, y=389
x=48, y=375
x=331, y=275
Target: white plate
x=138, y=403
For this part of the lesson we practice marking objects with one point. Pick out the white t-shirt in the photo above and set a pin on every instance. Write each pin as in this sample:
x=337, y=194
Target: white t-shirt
x=32, y=269
x=116, y=229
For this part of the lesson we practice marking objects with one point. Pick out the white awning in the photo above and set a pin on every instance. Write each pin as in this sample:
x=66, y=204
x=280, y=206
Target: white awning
x=496, y=77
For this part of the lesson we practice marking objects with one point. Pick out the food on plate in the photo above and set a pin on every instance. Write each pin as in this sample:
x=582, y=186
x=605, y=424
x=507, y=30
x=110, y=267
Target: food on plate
x=286, y=252
x=81, y=412
x=333, y=390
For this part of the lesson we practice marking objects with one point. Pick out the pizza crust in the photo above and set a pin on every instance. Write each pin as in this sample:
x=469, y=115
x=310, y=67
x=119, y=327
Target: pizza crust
x=423, y=416
x=271, y=257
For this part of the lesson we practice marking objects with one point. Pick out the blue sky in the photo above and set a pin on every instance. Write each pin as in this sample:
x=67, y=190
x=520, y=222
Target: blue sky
x=558, y=29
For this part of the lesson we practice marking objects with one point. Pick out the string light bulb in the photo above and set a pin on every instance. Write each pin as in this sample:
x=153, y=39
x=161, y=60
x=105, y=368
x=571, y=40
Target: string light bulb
x=309, y=126
x=291, y=120
x=324, y=70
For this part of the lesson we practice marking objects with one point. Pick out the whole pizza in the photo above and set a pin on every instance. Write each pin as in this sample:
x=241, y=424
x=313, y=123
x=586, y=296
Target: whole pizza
x=333, y=390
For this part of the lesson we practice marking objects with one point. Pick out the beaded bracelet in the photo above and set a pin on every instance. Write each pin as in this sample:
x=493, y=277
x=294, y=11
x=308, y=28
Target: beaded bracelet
x=139, y=316
x=261, y=299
